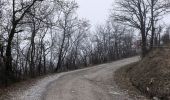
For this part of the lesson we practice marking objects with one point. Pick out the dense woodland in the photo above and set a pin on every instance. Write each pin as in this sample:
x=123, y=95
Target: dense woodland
x=38, y=37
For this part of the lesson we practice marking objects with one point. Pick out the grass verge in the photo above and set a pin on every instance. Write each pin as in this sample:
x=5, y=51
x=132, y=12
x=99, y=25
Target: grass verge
x=122, y=79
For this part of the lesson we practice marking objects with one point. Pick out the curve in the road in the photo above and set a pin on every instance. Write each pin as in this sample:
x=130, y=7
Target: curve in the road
x=94, y=83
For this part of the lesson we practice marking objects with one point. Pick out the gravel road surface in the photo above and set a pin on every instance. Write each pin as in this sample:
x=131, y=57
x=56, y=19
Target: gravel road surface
x=94, y=83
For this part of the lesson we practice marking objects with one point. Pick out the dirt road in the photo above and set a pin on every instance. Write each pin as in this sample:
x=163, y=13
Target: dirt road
x=94, y=83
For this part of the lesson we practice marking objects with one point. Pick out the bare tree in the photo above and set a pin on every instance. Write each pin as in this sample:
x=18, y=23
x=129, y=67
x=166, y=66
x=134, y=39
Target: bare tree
x=1, y=33
x=41, y=37
x=112, y=41
x=135, y=14
x=66, y=25
x=158, y=9
x=142, y=15
x=166, y=36
x=73, y=58
x=15, y=22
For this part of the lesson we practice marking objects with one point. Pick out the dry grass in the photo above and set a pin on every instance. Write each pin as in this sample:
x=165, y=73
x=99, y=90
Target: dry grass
x=122, y=78
x=151, y=75
x=19, y=86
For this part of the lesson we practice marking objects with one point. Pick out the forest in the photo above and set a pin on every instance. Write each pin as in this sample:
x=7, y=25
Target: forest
x=38, y=37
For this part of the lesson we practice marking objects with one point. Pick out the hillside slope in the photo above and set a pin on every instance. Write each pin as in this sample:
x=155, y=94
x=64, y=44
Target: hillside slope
x=152, y=74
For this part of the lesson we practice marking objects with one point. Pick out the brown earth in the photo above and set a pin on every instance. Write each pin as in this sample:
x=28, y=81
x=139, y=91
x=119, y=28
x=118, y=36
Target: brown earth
x=152, y=74
x=122, y=79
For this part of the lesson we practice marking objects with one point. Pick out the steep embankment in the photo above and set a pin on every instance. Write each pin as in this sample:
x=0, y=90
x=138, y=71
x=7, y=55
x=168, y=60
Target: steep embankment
x=151, y=75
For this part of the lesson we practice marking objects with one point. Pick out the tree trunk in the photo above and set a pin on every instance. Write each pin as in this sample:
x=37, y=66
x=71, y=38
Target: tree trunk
x=59, y=63
x=152, y=25
x=144, y=43
x=8, y=61
x=60, y=57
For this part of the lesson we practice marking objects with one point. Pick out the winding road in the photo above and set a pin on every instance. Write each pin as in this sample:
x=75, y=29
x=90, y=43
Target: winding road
x=94, y=83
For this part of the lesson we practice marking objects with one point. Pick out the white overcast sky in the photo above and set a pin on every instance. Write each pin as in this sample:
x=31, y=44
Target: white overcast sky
x=97, y=11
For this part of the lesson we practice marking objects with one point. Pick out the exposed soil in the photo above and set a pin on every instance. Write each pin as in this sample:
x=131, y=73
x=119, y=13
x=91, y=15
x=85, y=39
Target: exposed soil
x=151, y=75
x=122, y=79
